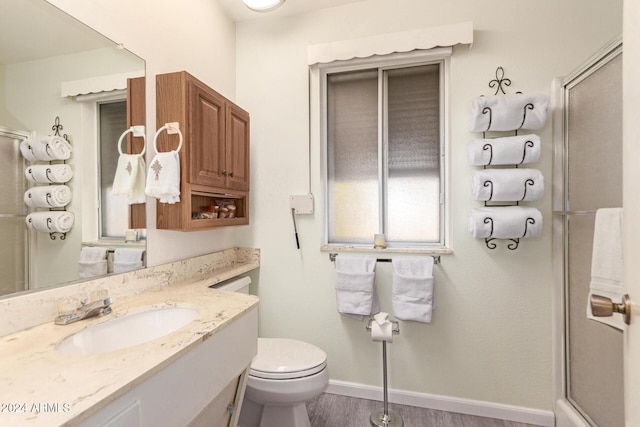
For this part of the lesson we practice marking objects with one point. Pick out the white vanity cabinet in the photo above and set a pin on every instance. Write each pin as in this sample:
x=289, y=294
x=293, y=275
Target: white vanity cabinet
x=202, y=387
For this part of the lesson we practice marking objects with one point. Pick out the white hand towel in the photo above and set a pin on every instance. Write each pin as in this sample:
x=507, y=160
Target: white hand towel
x=505, y=222
x=50, y=221
x=510, y=150
x=163, y=179
x=129, y=178
x=48, y=174
x=508, y=185
x=45, y=148
x=126, y=259
x=92, y=262
x=412, y=295
x=607, y=263
x=508, y=112
x=355, y=286
x=48, y=196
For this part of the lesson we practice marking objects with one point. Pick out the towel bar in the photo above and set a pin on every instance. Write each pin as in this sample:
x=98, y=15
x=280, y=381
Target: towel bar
x=573, y=213
x=333, y=256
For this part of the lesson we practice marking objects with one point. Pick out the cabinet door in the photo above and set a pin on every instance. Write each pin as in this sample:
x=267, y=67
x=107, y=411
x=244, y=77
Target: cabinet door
x=136, y=116
x=207, y=136
x=218, y=412
x=237, y=159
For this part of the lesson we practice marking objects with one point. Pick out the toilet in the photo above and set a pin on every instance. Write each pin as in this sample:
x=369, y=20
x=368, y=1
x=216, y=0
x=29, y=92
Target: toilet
x=284, y=375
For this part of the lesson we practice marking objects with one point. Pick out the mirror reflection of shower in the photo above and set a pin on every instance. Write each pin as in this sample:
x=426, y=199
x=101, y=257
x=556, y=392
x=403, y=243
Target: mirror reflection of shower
x=14, y=255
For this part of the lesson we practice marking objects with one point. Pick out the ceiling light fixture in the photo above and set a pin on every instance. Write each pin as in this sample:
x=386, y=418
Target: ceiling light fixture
x=263, y=5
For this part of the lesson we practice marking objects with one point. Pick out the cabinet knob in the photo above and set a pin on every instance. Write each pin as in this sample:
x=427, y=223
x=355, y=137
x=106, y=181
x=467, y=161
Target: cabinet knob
x=224, y=173
x=231, y=174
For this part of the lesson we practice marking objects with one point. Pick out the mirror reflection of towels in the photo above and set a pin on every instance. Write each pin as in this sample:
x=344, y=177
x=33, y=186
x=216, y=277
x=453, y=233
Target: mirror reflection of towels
x=129, y=178
x=127, y=259
x=48, y=174
x=45, y=149
x=48, y=196
x=50, y=221
x=92, y=262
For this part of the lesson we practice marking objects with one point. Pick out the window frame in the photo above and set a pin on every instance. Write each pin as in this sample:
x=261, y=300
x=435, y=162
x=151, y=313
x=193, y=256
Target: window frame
x=439, y=56
x=99, y=160
x=91, y=197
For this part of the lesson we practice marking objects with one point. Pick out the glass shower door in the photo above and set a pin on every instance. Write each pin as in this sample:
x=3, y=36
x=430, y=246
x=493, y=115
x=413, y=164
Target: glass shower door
x=592, y=179
x=13, y=232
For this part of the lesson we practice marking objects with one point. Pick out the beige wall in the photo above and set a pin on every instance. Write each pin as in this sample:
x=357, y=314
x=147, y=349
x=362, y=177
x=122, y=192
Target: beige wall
x=490, y=338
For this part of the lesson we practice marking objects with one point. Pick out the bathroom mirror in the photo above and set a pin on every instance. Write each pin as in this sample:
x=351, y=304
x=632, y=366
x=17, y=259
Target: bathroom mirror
x=60, y=77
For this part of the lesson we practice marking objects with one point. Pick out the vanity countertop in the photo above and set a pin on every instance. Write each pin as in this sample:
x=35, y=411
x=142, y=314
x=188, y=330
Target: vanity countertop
x=40, y=386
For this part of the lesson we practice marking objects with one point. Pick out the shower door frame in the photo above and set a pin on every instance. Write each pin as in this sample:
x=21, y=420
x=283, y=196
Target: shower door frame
x=566, y=414
x=28, y=243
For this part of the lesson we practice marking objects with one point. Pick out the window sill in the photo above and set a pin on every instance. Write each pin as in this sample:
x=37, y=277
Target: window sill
x=116, y=242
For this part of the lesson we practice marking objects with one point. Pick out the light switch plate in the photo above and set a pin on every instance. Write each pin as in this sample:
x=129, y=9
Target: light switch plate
x=302, y=204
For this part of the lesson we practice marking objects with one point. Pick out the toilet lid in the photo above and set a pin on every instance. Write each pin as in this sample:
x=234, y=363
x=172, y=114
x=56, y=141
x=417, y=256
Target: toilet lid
x=282, y=358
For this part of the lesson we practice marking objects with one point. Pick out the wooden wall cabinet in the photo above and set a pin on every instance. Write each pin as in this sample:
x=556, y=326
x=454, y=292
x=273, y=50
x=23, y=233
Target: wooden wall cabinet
x=214, y=158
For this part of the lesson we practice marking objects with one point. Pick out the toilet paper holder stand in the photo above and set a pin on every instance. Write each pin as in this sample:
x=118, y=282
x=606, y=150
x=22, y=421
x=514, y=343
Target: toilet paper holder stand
x=395, y=325
x=385, y=417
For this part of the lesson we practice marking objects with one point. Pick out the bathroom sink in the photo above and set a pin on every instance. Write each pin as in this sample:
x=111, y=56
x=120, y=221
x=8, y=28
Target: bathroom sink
x=123, y=332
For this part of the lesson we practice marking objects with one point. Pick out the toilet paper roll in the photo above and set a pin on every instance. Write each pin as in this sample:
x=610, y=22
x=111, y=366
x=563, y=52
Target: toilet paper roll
x=381, y=328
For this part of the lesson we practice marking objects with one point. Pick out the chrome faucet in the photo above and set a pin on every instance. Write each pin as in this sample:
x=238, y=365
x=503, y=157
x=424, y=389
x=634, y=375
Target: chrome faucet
x=86, y=310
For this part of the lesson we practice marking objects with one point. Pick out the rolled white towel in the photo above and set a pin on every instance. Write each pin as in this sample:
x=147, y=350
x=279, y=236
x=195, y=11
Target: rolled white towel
x=45, y=148
x=27, y=150
x=48, y=174
x=505, y=222
x=508, y=112
x=508, y=185
x=129, y=178
x=50, y=221
x=510, y=150
x=163, y=179
x=48, y=196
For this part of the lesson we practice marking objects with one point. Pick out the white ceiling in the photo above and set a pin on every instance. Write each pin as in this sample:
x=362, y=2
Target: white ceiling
x=238, y=12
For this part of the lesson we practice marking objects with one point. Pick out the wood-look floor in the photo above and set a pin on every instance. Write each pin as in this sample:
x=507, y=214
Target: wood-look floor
x=331, y=410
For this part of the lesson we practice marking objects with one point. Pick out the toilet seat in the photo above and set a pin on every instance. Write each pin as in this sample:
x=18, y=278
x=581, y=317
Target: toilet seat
x=285, y=359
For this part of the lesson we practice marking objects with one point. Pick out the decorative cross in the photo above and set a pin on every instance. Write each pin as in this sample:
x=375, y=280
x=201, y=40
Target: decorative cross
x=129, y=168
x=157, y=167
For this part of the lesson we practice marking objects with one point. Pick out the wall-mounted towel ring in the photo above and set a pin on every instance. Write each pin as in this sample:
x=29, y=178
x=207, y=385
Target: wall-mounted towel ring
x=171, y=128
x=138, y=131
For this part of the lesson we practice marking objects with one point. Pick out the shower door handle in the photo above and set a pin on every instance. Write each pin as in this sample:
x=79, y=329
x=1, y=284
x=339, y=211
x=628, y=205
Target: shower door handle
x=604, y=307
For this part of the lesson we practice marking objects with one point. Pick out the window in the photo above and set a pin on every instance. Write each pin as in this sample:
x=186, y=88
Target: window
x=385, y=140
x=112, y=121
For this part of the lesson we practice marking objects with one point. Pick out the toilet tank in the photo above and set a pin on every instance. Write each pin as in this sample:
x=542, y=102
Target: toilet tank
x=237, y=284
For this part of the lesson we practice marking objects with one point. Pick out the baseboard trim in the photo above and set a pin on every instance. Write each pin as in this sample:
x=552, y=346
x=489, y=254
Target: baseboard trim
x=479, y=408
